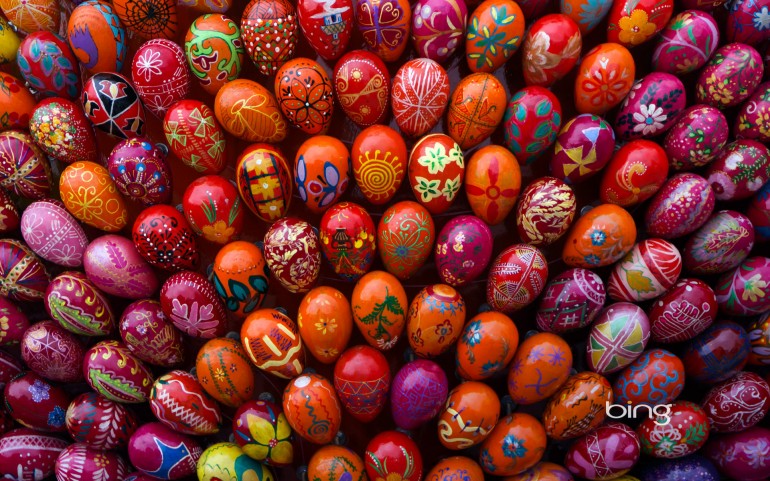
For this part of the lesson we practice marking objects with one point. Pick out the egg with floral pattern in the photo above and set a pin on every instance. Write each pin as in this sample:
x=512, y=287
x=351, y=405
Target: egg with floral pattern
x=393, y=453
x=486, y=346
x=91, y=195
x=602, y=236
x=545, y=211
x=744, y=290
x=305, y=95
x=686, y=43
x=463, y=250
x=532, y=121
x=738, y=403
x=348, y=240
x=191, y=303
x=571, y=300
x=161, y=75
x=60, y=128
x=651, y=107
x=494, y=33
x=632, y=23
x=551, y=49
x=578, y=407
x=250, y=112
x=150, y=335
x=438, y=27
x=264, y=181
x=722, y=243
x=436, y=171
x=53, y=234
x=140, y=171
x=449, y=468
x=740, y=455
x=740, y=170
x=79, y=461
x=115, y=373
x=325, y=323
x=35, y=403
x=293, y=254
x=604, y=78
x=195, y=136
x=540, y=366
x=586, y=14
x=78, y=305
x=730, y=77
x=405, y=237
x=753, y=120
x=24, y=169
x=685, y=431
x=746, y=23
x=224, y=371
x=516, y=444
x=680, y=207
x=435, y=320
x=100, y=423
x=13, y=324
x=261, y=430
x=696, y=138
x=336, y=462
x=112, y=104
x=213, y=209
x=113, y=264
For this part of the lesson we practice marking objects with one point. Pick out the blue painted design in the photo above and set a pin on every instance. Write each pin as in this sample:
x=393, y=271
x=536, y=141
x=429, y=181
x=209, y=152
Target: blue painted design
x=648, y=380
x=170, y=458
x=513, y=447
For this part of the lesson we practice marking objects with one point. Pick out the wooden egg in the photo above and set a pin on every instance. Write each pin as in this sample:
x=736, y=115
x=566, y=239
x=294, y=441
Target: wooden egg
x=270, y=31
x=681, y=206
x=227, y=459
x=731, y=76
x=191, y=303
x=571, y=301
x=78, y=305
x=438, y=27
x=384, y=25
x=578, y=407
x=113, y=264
x=604, y=78
x=418, y=393
x=362, y=382
x=532, y=121
x=486, y=346
x=115, y=373
x=156, y=19
x=633, y=23
x=249, y=111
x=379, y=159
x=327, y=27
x=240, y=277
x=213, y=209
x=23, y=277
x=420, y=96
x=405, y=238
x=470, y=414
x=79, y=461
x=48, y=65
x=35, y=403
x=305, y=95
x=651, y=267
x=30, y=453
x=60, y=128
x=53, y=352
x=260, y=428
x=436, y=172
x=379, y=308
x=493, y=35
x=214, y=34
x=721, y=244
x=540, y=366
x=362, y=86
x=112, y=104
x=24, y=169
x=515, y=444
x=272, y=341
x=97, y=37
x=53, y=234
x=264, y=181
x=178, y=400
x=656, y=377
x=312, y=408
x=435, y=320
x=476, y=108
x=149, y=334
x=325, y=323
x=160, y=452
x=516, y=278
x=100, y=423
x=463, y=250
x=545, y=211
x=160, y=73
x=348, y=240
x=600, y=237
x=224, y=371
x=321, y=172
x=617, y=338
x=195, y=136
x=293, y=254
x=17, y=103
x=492, y=183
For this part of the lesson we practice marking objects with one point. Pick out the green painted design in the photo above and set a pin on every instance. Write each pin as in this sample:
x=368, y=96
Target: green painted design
x=205, y=61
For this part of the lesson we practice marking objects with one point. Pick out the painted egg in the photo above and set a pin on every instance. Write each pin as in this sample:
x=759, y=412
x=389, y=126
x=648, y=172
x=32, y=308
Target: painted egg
x=405, y=238
x=438, y=27
x=651, y=108
x=546, y=471
x=545, y=211
x=17, y=103
x=249, y=111
x=23, y=277
x=730, y=77
x=140, y=171
x=325, y=323
x=60, y=128
x=304, y=94
x=469, y=415
x=97, y=37
x=379, y=309
x=272, y=341
x=476, y=108
x=53, y=234
x=162, y=453
x=617, y=338
x=578, y=407
x=532, y=121
x=321, y=172
x=362, y=86
x=48, y=65
x=115, y=373
x=515, y=444
x=741, y=455
x=717, y=354
x=293, y=254
x=583, y=148
x=686, y=44
x=571, y=301
x=740, y=170
x=113, y=106
x=32, y=16
x=78, y=461
x=651, y=267
x=113, y=264
x=516, y=278
x=362, y=382
x=720, y=245
x=165, y=239
x=24, y=169
x=154, y=19
x=9, y=46
x=656, y=377
x=486, y=346
x=240, y=276
x=435, y=320
x=418, y=393
x=758, y=213
x=420, y=96
x=540, y=366
x=29, y=454
x=13, y=324
x=738, y=403
x=348, y=240
x=606, y=453
x=222, y=460
x=312, y=408
x=696, y=138
x=214, y=51
x=680, y=207
x=35, y=403
x=602, y=236
x=10, y=367
x=436, y=172
x=269, y=29
x=149, y=334
x=463, y=250
x=100, y=423
x=379, y=159
x=604, y=78
x=587, y=15
x=191, y=303
x=213, y=209
x=393, y=454
x=746, y=23
x=693, y=466
x=53, y=352
x=160, y=73
x=207, y=6
x=336, y=462
x=683, y=312
x=264, y=181
x=224, y=371
x=327, y=26
x=195, y=136
x=261, y=430
x=551, y=49
x=753, y=119
x=178, y=400
x=742, y=291
x=759, y=335
x=493, y=35
x=78, y=305
x=632, y=23
x=492, y=183
x=9, y=214
x=384, y=25
x=90, y=194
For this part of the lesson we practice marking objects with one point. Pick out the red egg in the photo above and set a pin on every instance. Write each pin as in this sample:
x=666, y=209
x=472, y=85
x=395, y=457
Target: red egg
x=162, y=453
x=165, y=239
x=23, y=277
x=178, y=400
x=405, y=238
x=634, y=174
x=9, y=214
x=140, y=171
x=326, y=25
x=392, y=453
x=260, y=428
x=606, y=453
x=273, y=343
x=79, y=461
x=312, y=408
x=213, y=209
x=650, y=269
x=420, y=96
x=516, y=278
x=160, y=75
x=532, y=121
x=35, y=403
x=362, y=382
x=362, y=86
x=53, y=352
x=293, y=254
x=738, y=403
x=551, y=49
x=682, y=429
x=14, y=324
x=545, y=211
x=264, y=181
x=10, y=366
x=24, y=169
x=321, y=172
x=632, y=23
x=269, y=29
x=29, y=454
x=115, y=373
x=100, y=423
x=195, y=136
x=436, y=172
x=348, y=240
x=191, y=303
x=78, y=305
x=656, y=377
x=683, y=312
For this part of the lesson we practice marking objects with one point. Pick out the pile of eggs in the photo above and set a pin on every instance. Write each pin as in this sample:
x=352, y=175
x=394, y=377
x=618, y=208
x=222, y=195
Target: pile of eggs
x=368, y=239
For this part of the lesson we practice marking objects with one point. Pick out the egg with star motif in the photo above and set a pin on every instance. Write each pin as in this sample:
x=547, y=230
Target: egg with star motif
x=743, y=290
x=540, y=366
x=492, y=183
x=305, y=95
x=194, y=135
x=53, y=352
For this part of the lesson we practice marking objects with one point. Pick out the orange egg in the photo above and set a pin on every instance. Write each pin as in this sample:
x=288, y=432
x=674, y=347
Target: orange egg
x=224, y=371
x=312, y=408
x=599, y=238
x=336, y=462
x=545, y=471
x=16, y=103
x=240, y=276
x=540, y=366
x=486, y=346
x=273, y=344
x=492, y=183
x=436, y=319
x=321, y=172
x=455, y=468
x=516, y=444
x=379, y=160
x=476, y=108
x=604, y=78
x=249, y=111
x=32, y=15
x=90, y=194
x=325, y=323
x=469, y=415
x=379, y=309
x=578, y=407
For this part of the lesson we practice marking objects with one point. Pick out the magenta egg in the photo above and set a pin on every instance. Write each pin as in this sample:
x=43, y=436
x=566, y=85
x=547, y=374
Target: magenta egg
x=753, y=120
x=191, y=303
x=115, y=373
x=516, y=278
x=23, y=277
x=99, y=423
x=651, y=107
x=35, y=403
x=686, y=43
x=696, y=138
x=78, y=461
x=15, y=324
x=738, y=403
x=606, y=453
x=140, y=171
x=747, y=22
x=53, y=234
x=730, y=77
x=680, y=207
x=53, y=352
x=463, y=250
x=617, y=338
x=583, y=147
x=78, y=305
x=740, y=170
x=114, y=265
x=758, y=213
x=570, y=301
x=418, y=393
x=438, y=27
x=10, y=367
x=741, y=455
x=652, y=267
x=150, y=335
x=723, y=242
x=293, y=254
x=744, y=290
x=161, y=452
x=28, y=454
x=717, y=354
x=161, y=75
x=683, y=312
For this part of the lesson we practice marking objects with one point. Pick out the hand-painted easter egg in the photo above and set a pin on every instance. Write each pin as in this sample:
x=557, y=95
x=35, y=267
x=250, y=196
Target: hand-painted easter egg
x=79, y=461
x=551, y=49
x=463, y=250
x=191, y=303
x=305, y=95
x=379, y=159
x=264, y=181
x=241, y=277
x=436, y=171
x=23, y=277
x=321, y=172
x=60, y=128
x=9, y=42
x=492, y=183
x=720, y=245
x=693, y=466
x=746, y=23
x=29, y=454
x=13, y=324
x=571, y=301
x=113, y=264
x=29, y=17
x=293, y=254
x=532, y=121
x=162, y=453
x=739, y=170
x=17, y=103
x=165, y=239
x=24, y=169
x=606, y=453
x=516, y=278
x=272, y=341
x=420, y=96
x=249, y=111
x=90, y=194
x=696, y=138
x=476, y=108
x=384, y=25
x=405, y=238
x=112, y=104
x=312, y=408
x=160, y=74
x=362, y=86
x=379, y=308
x=97, y=37
x=583, y=148
x=717, y=354
x=742, y=291
x=269, y=29
x=651, y=268
x=53, y=352
x=154, y=19
x=418, y=393
x=9, y=214
x=683, y=312
x=540, y=366
x=224, y=371
x=327, y=26
x=740, y=455
x=35, y=403
x=486, y=346
x=53, y=234
x=604, y=78
x=100, y=423
x=656, y=377
x=362, y=382
x=578, y=407
x=632, y=23
x=438, y=27
x=336, y=462
x=586, y=14
x=516, y=444
x=214, y=50
x=195, y=136
x=78, y=305
x=617, y=338
x=222, y=460
x=261, y=430
x=435, y=320
x=547, y=471
x=325, y=323
x=494, y=34
x=48, y=65
x=348, y=240
x=686, y=43
x=680, y=207
x=178, y=400
x=149, y=334
x=115, y=373
x=759, y=336
x=703, y=5
x=10, y=367
x=391, y=454
x=545, y=211
x=207, y=6
x=600, y=237
x=752, y=120
x=651, y=108
x=758, y=213
x=140, y=171
x=469, y=415
x=738, y=403
x=212, y=207
x=730, y=77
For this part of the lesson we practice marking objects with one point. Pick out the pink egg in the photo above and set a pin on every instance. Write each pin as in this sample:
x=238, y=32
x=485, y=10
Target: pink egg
x=681, y=206
x=571, y=300
x=161, y=452
x=53, y=234
x=463, y=250
x=113, y=264
x=741, y=455
x=744, y=290
x=606, y=453
x=723, y=242
x=150, y=335
x=15, y=324
x=115, y=373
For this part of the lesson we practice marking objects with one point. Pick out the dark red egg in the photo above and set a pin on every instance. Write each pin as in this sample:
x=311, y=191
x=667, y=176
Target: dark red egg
x=140, y=171
x=362, y=381
x=393, y=455
x=35, y=403
x=165, y=239
x=100, y=423
x=192, y=304
x=53, y=352
x=29, y=455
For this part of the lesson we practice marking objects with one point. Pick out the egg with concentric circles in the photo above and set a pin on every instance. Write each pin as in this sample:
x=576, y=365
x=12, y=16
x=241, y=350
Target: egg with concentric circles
x=379, y=158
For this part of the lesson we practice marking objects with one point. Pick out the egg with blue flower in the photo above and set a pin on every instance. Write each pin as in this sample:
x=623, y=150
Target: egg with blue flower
x=140, y=171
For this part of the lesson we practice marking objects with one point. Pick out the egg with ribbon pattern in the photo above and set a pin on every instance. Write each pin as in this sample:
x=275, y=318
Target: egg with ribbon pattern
x=379, y=309
x=600, y=237
x=154, y=19
x=23, y=277
x=493, y=35
x=696, y=138
x=336, y=462
x=241, y=277
x=305, y=95
x=633, y=22
x=35, y=403
x=221, y=460
x=312, y=408
x=583, y=147
x=683, y=312
x=113, y=264
x=269, y=29
x=115, y=373
x=48, y=65
x=718, y=353
x=261, y=430
x=250, y=112
x=112, y=104
x=617, y=338
x=9, y=46
x=78, y=461
x=740, y=170
x=29, y=453
x=178, y=400
x=53, y=352
x=165, y=239
x=651, y=267
x=516, y=278
x=17, y=103
x=745, y=23
x=476, y=109
x=379, y=159
x=731, y=76
x=486, y=346
x=293, y=254
x=195, y=136
x=516, y=444
x=743, y=291
x=738, y=403
x=651, y=108
x=605, y=453
x=435, y=320
x=438, y=27
x=191, y=303
x=97, y=37
x=99, y=423
x=60, y=128
x=532, y=121
x=571, y=300
x=578, y=407
x=140, y=171
x=321, y=172
x=150, y=335
x=656, y=377
x=418, y=392
x=326, y=25
x=78, y=305
x=604, y=78
x=686, y=43
x=391, y=454
x=161, y=452
x=348, y=240
x=405, y=237
x=53, y=234
x=721, y=244
x=750, y=122
x=224, y=371
x=540, y=366
x=264, y=181
x=384, y=25
x=362, y=86
x=213, y=209
x=420, y=96
x=273, y=343
x=325, y=323
x=545, y=211
x=436, y=172
x=463, y=250
x=492, y=183
x=470, y=414
x=161, y=75
x=214, y=51
x=680, y=207
x=362, y=381
x=551, y=49
x=24, y=169
x=15, y=323
x=758, y=213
